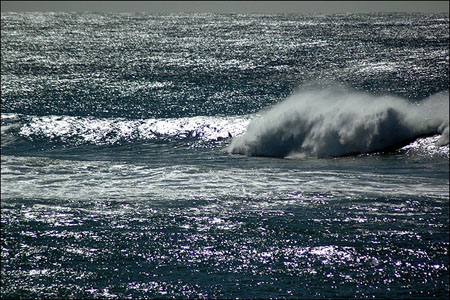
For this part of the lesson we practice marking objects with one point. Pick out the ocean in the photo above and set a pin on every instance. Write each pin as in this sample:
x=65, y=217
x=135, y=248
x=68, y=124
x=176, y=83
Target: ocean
x=224, y=156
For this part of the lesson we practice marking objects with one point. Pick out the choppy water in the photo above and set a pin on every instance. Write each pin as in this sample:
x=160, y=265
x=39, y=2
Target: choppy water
x=224, y=155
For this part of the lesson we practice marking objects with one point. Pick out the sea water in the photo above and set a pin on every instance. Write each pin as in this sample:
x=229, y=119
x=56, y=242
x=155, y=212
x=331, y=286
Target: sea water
x=224, y=155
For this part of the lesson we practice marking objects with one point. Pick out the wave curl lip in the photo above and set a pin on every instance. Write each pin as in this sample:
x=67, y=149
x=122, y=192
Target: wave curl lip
x=337, y=121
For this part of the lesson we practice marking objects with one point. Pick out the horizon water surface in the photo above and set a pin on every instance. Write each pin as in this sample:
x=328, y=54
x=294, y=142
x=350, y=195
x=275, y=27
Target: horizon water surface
x=224, y=155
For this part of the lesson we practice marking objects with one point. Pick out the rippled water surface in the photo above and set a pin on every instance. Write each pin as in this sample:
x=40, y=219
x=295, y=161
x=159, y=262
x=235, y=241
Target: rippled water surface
x=120, y=176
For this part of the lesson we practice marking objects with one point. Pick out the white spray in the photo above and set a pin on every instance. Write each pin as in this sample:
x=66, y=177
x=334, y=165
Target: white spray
x=337, y=121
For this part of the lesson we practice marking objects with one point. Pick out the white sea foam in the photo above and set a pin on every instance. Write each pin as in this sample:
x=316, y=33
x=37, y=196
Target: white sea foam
x=338, y=121
x=113, y=130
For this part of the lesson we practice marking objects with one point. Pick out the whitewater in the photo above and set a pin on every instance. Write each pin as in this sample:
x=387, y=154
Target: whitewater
x=337, y=121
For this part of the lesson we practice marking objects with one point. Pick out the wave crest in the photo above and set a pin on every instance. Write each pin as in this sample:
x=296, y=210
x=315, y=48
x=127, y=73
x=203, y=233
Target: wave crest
x=337, y=121
x=88, y=130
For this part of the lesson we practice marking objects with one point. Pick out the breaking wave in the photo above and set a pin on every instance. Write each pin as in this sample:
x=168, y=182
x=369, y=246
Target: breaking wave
x=108, y=131
x=337, y=121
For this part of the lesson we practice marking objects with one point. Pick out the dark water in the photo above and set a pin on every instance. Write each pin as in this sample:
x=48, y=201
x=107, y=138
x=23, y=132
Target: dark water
x=224, y=156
